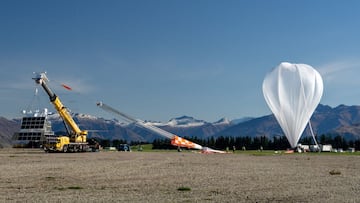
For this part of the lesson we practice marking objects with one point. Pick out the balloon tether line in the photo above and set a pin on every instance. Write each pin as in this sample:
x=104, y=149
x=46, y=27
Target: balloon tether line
x=312, y=133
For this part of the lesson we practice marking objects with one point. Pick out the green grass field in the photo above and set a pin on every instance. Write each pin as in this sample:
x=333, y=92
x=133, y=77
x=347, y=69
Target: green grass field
x=148, y=148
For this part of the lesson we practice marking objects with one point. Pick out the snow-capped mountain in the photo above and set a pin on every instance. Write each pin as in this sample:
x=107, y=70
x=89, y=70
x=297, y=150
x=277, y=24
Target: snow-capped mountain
x=185, y=121
x=187, y=126
x=341, y=120
x=56, y=116
x=223, y=121
x=188, y=121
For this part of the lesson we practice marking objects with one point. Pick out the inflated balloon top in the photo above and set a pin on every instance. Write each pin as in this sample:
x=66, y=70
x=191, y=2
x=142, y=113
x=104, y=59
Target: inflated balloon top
x=292, y=92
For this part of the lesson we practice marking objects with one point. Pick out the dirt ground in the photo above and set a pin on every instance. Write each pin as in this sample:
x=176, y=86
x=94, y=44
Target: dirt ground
x=35, y=176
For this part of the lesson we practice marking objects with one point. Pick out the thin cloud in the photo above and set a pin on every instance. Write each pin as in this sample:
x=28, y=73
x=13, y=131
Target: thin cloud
x=82, y=86
x=340, y=72
x=77, y=85
x=16, y=83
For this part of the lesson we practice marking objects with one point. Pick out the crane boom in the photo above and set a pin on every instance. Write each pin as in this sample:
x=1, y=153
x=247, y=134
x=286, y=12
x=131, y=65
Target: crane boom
x=175, y=140
x=112, y=110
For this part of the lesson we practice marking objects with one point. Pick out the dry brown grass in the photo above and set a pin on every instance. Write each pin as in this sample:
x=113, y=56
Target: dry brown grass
x=35, y=176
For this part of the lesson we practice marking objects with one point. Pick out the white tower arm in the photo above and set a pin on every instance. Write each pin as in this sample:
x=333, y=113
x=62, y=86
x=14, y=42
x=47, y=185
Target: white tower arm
x=175, y=140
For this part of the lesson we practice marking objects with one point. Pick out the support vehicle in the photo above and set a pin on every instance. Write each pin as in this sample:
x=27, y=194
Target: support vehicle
x=76, y=139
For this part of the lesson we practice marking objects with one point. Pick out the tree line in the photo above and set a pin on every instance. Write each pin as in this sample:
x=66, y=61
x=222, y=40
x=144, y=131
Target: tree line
x=243, y=143
x=262, y=142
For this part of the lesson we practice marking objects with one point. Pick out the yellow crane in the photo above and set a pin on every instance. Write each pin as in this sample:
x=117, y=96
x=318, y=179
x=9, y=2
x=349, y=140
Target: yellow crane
x=75, y=140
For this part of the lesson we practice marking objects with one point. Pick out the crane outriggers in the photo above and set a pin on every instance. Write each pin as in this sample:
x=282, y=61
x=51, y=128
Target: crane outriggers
x=76, y=139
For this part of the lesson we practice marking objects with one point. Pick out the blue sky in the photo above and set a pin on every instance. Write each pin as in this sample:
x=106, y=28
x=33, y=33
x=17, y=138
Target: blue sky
x=161, y=59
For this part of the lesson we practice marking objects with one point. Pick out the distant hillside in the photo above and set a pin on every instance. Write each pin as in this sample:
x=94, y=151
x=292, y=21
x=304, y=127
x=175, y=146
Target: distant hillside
x=262, y=126
x=7, y=129
x=186, y=126
x=113, y=129
x=341, y=120
x=100, y=128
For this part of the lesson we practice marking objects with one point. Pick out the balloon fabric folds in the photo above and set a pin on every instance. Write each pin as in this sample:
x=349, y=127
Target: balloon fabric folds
x=292, y=92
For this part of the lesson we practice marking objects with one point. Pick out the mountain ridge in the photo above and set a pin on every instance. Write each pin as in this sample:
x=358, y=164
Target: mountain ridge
x=340, y=120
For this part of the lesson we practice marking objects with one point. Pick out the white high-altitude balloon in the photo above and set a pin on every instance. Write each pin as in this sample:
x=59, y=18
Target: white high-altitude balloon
x=293, y=91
